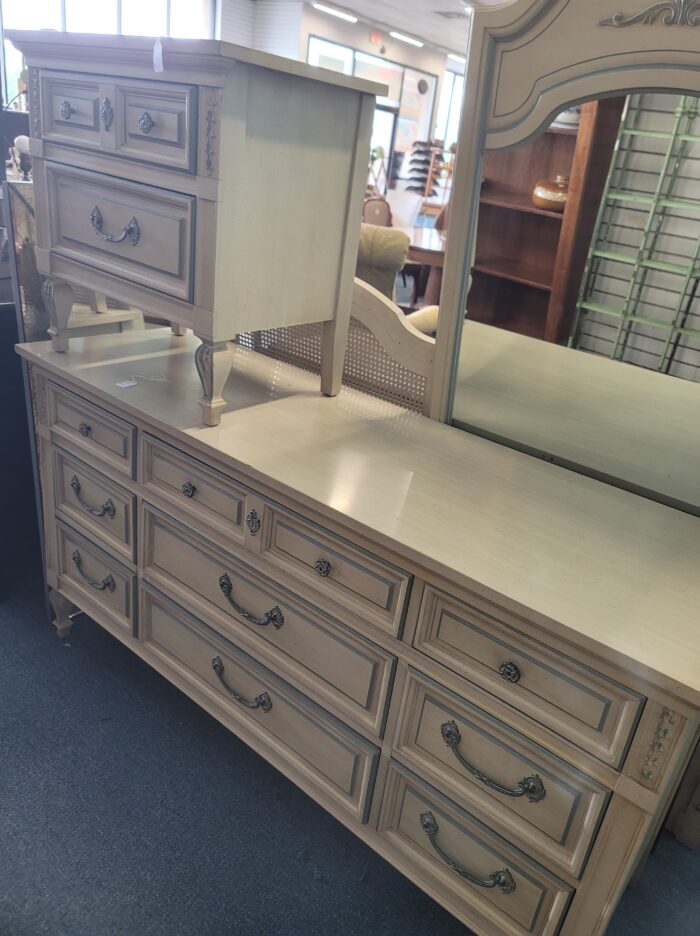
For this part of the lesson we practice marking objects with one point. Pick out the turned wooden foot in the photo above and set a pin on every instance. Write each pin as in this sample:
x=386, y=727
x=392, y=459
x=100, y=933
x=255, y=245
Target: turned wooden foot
x=62, y=609
x=214, y=362
x=58, y=299
x=179, y=330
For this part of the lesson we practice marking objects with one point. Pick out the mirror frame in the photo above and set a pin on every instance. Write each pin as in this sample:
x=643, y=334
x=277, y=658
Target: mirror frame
x=526, y=61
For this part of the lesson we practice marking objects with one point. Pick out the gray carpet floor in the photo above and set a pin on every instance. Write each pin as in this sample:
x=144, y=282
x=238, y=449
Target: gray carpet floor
x=125, y=810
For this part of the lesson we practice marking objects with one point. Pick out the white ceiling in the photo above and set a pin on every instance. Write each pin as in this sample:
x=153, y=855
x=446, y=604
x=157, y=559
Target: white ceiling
x=415, y=17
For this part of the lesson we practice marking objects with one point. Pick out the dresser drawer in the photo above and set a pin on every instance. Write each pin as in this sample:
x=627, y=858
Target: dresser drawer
x=573, y=699
x=553, y=809
x=135, y=231
x=95, y=580
x=326, y=754
x=86, y=497
x=91, y=430
x=70, y=109
x=323, y=563
x=156, y=122
x=196, y=491
x=437, y=838
x=342, y=670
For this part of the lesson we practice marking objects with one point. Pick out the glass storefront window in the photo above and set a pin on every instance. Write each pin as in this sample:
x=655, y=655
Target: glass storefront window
x=387, y=73
x=90, y=17
x=325, y=54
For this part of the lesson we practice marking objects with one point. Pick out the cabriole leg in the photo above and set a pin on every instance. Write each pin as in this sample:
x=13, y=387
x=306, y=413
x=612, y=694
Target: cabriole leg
x=58, y=298
x=214, y=362
x=62, y=609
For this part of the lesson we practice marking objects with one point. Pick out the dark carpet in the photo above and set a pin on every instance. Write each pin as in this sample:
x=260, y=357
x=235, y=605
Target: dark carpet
x=125, y=810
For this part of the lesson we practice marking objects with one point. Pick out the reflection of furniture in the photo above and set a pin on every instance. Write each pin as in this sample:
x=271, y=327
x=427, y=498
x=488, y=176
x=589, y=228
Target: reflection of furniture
x=381, y=256
x=369, y=600
x=428, y=249
x=376, y=210
x=180, y=191
x=529, y=261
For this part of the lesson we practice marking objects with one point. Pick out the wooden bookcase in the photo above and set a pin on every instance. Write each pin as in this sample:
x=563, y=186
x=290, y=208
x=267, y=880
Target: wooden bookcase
x=529, y=261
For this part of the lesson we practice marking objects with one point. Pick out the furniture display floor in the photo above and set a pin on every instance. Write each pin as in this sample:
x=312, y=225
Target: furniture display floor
x=126, y=810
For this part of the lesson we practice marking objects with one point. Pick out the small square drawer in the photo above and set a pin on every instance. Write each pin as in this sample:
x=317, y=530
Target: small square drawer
x=322, y=562
x=552, y=808
x=318, y=749
x=466, y=864
x=156, y=122
x=86, y=497
x=568, y=696
x=95, y=580
x=70, y=109
x=91, y=430
x=203, y=495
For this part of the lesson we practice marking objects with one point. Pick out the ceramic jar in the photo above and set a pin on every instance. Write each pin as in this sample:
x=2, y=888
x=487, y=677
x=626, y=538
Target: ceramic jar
x=551, y=194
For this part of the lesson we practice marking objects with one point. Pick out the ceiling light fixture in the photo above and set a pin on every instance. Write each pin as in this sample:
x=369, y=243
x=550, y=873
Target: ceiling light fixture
x=457, y=58
x=409, y=39
x=348, y=17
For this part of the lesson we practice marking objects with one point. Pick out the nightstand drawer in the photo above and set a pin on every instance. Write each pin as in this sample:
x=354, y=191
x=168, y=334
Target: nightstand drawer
x=138, y=232
x=568, y=696
x=86, y=497
x=249, y=698
x=95, y=580
x=70, y=109
x=156, y=122
x=437, y=838
x=90, y=429
x=552, y=808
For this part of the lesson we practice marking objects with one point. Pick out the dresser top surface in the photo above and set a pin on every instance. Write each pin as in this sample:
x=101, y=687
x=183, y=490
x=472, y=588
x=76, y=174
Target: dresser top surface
x=614, y=572
x=90, y=51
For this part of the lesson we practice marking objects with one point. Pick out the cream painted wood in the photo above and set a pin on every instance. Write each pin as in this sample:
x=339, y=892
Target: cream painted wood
x=90, y=500
x=331, y=755
x=62, y=609
x=280, y=147
x=342, y=670
x=88, y=429
x=537, y=903
x=558, y=828
x=513, y=660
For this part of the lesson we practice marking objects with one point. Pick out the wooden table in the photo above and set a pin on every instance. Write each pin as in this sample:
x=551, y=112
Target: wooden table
x=428, y=248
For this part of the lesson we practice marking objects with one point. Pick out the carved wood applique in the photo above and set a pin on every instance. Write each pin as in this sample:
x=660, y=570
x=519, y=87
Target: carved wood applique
x=668, y=12
x=665, y=729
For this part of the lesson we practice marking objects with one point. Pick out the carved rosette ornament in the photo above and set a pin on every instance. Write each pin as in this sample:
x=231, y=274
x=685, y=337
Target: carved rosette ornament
x=668, y=12
x=662, y=735
x=35, y=101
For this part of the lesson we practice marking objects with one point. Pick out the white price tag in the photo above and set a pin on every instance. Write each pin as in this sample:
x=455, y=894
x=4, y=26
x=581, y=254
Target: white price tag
x=158, y=56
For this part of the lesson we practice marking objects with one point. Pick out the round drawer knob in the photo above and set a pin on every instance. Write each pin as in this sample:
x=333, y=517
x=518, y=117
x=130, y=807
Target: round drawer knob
x=66, y=110
x=509, y=671
x=146, y=122
x=84, y=429
x=188, y=489
x=323, y=567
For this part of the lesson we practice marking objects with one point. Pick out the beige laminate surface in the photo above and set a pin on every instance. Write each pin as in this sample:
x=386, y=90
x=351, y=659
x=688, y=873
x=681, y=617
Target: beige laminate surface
x=635, y=427
x=619, y=572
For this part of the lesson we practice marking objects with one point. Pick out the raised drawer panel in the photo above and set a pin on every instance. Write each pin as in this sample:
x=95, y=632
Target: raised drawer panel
x=156, y=122
x=196, y=491
x=345, y=672
x=135, y=231
x=573, y=699
x=526, y=899
x=88, y=498
x=91, y=430
x=70, y=111
x=554, y=809
x=369, y=587
x=326, y=753
x=95, y=580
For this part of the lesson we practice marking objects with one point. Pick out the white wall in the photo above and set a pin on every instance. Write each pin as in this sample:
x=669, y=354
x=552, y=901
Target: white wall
x=235, y=21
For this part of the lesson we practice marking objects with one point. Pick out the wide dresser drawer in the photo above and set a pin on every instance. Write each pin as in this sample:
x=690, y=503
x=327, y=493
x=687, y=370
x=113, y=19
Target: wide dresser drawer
x=583, y=705
x=550, y=807
x=319, y=749
x=344, y=671
x=138, y=232
x=466, y=864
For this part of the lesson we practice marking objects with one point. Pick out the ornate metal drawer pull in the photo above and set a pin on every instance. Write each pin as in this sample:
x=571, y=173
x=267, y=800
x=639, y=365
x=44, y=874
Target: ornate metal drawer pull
x=106, y=510
x=146, y=122
x=84, y=429
x=65, y=110
x=252, y=521
x=509, y=671
x=106, y=113
x=130, y=231
x=107, y=583
x=188, y=489
x=262, y=701
x=274, y=616
x=323, y=567
x=531, y=786
x=502, y=879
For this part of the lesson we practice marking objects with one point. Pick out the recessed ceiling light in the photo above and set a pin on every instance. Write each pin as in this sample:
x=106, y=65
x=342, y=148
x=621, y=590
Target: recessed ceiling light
x=457, y=58
x=348, y=17
x=409, y=39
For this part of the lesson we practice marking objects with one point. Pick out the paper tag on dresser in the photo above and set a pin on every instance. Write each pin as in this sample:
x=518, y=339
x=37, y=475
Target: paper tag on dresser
x=158, y=56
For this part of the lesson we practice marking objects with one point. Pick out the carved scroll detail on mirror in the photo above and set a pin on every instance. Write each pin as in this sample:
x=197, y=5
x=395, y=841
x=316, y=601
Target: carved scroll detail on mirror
x=669, y=13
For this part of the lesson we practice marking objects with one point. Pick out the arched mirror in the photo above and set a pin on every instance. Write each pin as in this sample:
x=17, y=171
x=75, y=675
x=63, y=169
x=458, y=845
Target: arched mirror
x=569, y=322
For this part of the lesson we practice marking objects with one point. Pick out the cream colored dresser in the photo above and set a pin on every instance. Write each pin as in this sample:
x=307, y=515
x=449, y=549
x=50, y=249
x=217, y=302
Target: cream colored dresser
x=213, y=186
x=484, y=665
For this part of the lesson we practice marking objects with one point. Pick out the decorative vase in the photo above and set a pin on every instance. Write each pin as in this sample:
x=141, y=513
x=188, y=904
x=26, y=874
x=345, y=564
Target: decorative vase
x=551, y=194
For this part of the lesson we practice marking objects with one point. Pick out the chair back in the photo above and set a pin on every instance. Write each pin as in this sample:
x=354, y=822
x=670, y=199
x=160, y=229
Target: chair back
x=377, y=211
